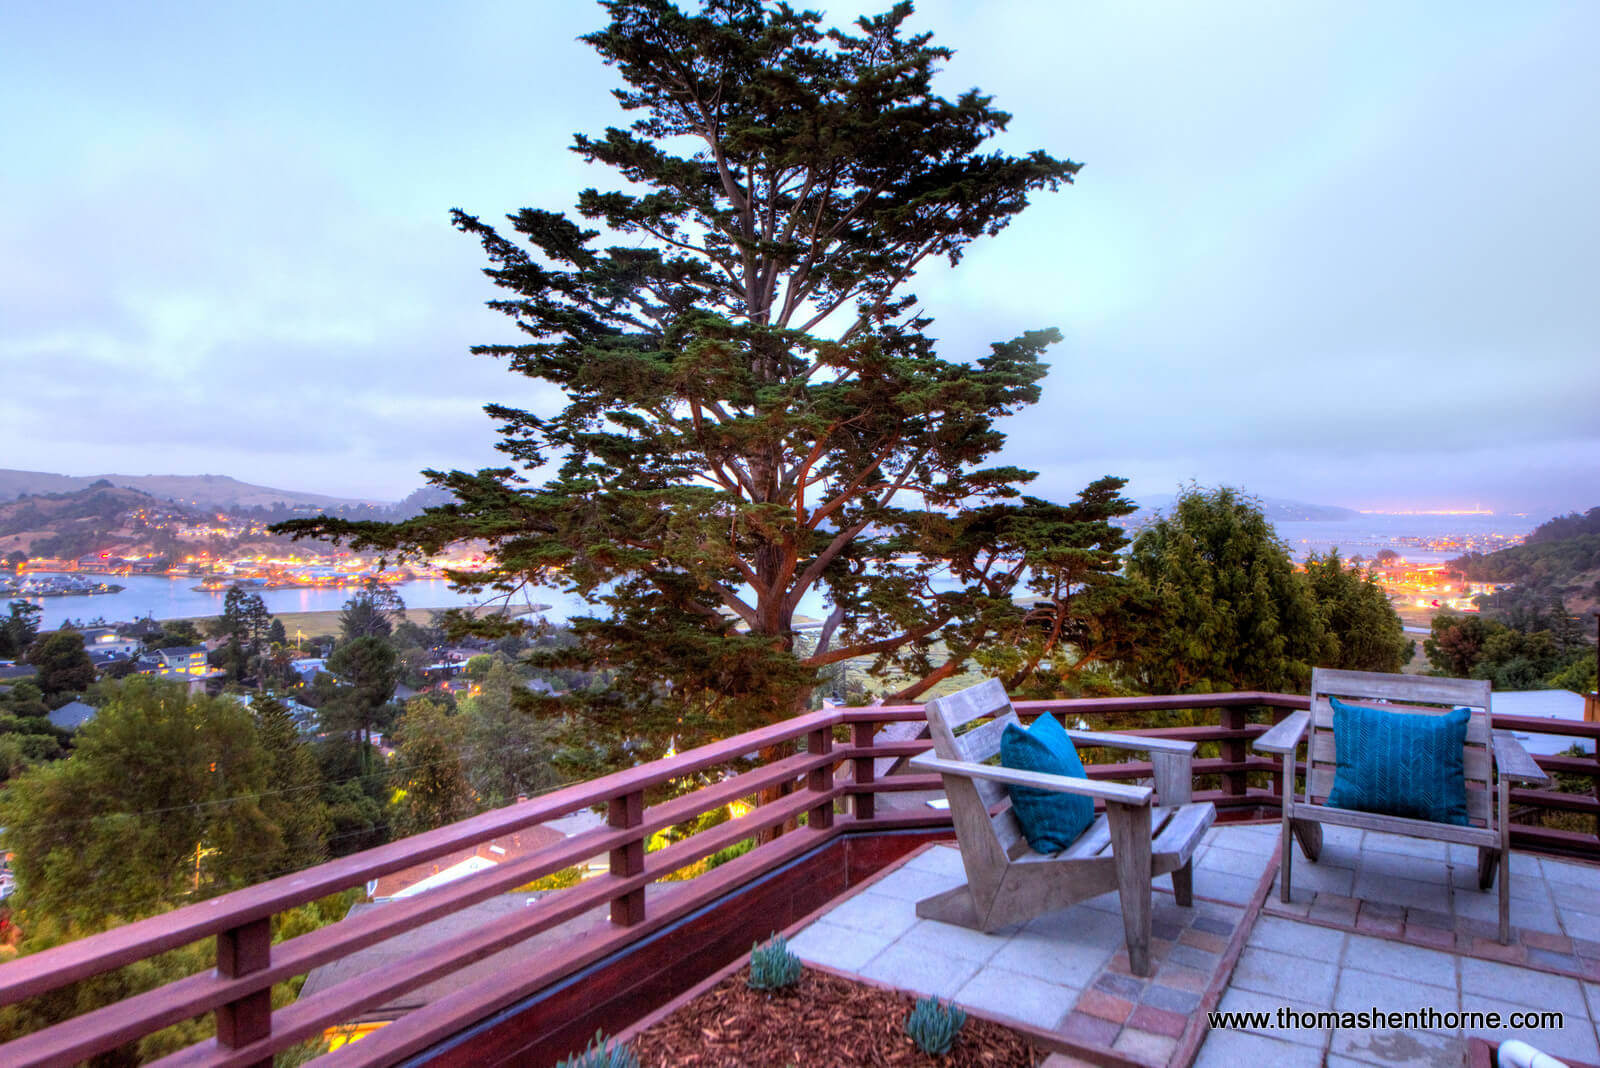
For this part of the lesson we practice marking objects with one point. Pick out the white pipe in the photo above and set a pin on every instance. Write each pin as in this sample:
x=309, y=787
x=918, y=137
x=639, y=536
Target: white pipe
x=1518, y=1054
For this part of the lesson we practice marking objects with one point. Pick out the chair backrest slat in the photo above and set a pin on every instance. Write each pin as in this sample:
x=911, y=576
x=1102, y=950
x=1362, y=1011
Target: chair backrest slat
x=1406, y=694
x=946, y=715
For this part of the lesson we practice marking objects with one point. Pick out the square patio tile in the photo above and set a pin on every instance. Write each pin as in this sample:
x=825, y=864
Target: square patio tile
x=1398, y=959
x=1051, y=959
x=912, y=968
x=1564, y=871
x=1237, y=1000
x=1319, y=877
x=1410, y=847
x=1299, y=939
x=1395, y=890
x=1080, y=926
x=1409, y=1049
x=875, y=914
x=838, y=947
x=1231, y=1049
x=1476, y=905
x=1224, y=887
x=1482, y=979
x=952, y=941
x=914, y=884
x=1269, y=972
x=943, y=859
x=1575, y=1040
x=1359, y=990
x=1145, y=1046
x=1233, y=861
x=1020, y=997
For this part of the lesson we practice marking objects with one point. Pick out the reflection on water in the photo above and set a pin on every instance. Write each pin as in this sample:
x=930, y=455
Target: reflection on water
x=176, y=598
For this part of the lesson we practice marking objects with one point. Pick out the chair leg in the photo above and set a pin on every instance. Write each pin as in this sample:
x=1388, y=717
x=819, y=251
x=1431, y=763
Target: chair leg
x=1488, y=864
x=1505, y=897
x=1130, y=845
x=1310, y=835
x=1286, y=863
x=1183, y=884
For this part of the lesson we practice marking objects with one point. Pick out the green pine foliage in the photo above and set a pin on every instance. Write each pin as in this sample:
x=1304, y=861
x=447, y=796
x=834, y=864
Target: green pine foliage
x=1226, y=609
x=753, y=408
x=1361, y=629
x=166, y=796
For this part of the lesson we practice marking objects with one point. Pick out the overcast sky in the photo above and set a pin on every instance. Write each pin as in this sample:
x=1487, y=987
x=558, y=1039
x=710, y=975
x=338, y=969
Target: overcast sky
x=1341, y=252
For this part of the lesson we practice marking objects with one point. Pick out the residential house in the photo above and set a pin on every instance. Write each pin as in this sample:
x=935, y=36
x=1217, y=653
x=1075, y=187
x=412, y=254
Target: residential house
x=72, y=715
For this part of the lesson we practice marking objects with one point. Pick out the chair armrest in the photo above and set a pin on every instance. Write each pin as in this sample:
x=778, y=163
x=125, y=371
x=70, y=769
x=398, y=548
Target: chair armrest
x=1285, y=737
x=1513, y=762
x=1116, y=792
x=1120, y=740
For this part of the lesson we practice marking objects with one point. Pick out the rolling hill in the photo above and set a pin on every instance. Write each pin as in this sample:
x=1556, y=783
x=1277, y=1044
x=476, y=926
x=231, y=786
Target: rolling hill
x=201, y=491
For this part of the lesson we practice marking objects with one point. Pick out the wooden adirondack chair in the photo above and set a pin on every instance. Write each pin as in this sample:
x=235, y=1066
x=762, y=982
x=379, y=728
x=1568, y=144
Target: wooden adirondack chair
x=1129, y=844
x=1490, y=759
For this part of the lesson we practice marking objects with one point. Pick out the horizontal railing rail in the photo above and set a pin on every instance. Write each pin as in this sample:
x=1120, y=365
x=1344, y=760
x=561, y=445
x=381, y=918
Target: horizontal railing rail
x=808, y=790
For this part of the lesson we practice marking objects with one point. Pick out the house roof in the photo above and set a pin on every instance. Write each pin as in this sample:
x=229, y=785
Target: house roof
x=457, y=925
x=72, y=715
x=465, y=862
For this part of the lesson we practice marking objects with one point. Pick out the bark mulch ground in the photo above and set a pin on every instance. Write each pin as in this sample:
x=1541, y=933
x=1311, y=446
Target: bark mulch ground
x=821, y=1021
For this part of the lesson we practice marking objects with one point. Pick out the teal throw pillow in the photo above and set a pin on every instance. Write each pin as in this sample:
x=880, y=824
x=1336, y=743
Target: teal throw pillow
x=1400, y=763
x=1051, y=821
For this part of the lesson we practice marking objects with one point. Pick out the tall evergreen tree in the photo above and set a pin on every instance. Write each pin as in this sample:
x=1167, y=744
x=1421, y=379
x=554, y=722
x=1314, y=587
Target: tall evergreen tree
x=159, y=800
x=292, y=800
x=1231, y=612
x=754, y=410
x=1362, y=631
x=429, y=772
x=509, y=749
x=63, y=663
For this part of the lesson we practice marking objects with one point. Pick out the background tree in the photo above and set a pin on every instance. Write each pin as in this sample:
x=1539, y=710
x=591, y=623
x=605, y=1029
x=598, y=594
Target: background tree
x=371, y=613
x=292, y=801
x=428, y=772
x=160, y=794
x=510, y=748
x=19, y=629
x=1362, y=631
x=754, y=411
x=370, y=671
x=1455, y=643
x=1231, y=612
x=63, y=664
x=27, y=737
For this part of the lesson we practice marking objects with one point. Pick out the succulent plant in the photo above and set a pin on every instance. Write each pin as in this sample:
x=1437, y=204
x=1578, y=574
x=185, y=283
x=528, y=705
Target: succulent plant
x=601, y=1053
x=933, y=1025
x=772, y=966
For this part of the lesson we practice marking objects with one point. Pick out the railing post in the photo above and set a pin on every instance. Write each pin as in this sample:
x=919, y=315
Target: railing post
x=628, y=859
x=1233, y=749
x=1278, y=716
x=242, y=951
x=820, y=780
x=863, y=773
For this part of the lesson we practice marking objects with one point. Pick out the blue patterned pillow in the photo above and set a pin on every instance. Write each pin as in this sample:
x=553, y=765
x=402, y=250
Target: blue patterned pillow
x=1400, y=763
x=1051, y=821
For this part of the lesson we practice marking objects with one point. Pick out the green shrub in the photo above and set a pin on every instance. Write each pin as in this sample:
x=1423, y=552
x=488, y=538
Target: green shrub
x=772, y=966
x=600, y=1053
x=933, y=1026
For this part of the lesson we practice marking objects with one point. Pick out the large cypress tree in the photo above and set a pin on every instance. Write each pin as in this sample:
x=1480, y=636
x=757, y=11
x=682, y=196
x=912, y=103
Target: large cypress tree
x=754, y=409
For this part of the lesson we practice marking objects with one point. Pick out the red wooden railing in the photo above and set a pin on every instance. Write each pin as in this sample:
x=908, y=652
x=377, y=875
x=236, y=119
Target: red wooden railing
x=238, y=991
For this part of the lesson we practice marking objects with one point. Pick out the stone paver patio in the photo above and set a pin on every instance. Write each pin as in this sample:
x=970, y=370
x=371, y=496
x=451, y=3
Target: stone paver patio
x=1380, y=922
